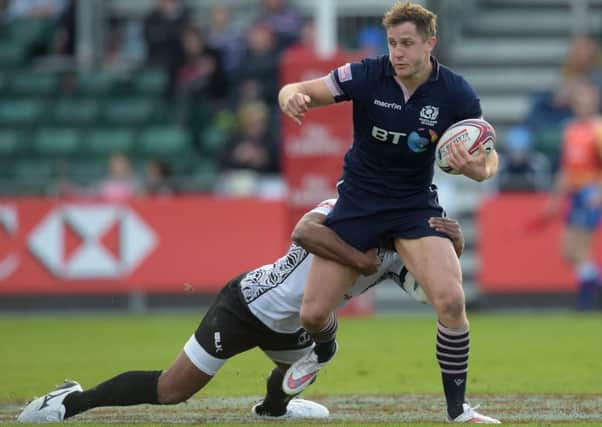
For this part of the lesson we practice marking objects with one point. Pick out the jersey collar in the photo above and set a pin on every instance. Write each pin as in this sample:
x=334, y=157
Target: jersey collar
x=390, y=71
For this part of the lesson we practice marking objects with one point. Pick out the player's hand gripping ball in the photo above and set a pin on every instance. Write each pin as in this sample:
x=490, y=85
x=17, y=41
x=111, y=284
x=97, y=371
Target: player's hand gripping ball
x=471, y=133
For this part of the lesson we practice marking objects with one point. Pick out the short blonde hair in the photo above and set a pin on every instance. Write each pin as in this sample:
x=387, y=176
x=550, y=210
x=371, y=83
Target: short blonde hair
x=424, y=19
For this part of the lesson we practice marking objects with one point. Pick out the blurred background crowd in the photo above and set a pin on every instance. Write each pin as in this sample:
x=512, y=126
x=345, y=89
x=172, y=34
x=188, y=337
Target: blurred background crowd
x=117, y=99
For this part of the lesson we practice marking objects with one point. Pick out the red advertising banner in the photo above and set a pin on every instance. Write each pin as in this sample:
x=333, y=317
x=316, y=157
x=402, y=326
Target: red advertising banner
x=150, y=245
x=519, y=251
x=312, y=153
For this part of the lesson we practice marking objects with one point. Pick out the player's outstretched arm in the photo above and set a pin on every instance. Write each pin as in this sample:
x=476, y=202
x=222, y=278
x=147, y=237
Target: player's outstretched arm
x=295, y=99
x=312, y=235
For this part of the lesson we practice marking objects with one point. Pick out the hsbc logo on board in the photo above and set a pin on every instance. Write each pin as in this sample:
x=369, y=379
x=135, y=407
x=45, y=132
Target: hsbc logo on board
x=91, y=241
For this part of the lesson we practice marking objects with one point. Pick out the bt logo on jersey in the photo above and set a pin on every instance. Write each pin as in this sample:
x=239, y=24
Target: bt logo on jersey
x=386, y=135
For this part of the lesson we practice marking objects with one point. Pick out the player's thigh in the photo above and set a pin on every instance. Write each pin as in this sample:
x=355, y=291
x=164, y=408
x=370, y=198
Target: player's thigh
x=327, y=283
x=227, y=329
x=434, y=263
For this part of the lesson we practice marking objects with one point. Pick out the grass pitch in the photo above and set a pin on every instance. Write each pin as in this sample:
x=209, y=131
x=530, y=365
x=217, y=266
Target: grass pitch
x=544, y=368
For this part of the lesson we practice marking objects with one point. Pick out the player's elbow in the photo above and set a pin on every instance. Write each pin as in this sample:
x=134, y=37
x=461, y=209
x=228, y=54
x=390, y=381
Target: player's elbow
x=302, y=234
x=299, y=234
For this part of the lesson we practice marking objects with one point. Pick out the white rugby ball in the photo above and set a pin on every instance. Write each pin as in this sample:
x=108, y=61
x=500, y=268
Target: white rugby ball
x=471, y=133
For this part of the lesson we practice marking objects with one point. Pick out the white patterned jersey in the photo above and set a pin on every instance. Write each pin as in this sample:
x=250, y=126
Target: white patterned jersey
x=274, y=292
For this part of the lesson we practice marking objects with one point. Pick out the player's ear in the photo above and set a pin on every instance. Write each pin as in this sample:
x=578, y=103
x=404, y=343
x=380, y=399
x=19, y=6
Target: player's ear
x=431, y=42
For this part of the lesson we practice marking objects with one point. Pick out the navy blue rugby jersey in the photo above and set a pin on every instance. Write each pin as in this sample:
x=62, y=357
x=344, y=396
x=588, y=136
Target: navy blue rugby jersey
x=394, y=141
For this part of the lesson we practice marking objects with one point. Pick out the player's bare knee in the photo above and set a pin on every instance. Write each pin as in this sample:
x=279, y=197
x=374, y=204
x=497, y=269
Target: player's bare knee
x=449, y=305
x=313, y=318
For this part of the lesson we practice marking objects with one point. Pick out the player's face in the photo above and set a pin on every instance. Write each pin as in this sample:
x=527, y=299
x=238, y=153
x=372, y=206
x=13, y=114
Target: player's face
x=409, y=52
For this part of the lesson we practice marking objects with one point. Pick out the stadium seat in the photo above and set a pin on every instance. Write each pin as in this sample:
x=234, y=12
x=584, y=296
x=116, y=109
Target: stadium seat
x=96, y=84
x=6, y=171
x=129, y=111
x=27, y=112
x=161, y=141
x=75, y=112
x=549, y=140
x=212, y=141
x=33, y=176
x=86, y=171
x=3, y=82
x=106, y=141
x=28, y=31
x=10, y=144
x=11, y=54
x=149, y=82
x=205, y=176
x=57, y=142
x=33, y=83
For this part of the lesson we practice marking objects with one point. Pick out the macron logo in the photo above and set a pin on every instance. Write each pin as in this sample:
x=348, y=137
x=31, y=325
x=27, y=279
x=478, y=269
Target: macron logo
x=384, y=104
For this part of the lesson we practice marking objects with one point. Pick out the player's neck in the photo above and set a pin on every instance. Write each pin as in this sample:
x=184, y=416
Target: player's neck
x=412, y=82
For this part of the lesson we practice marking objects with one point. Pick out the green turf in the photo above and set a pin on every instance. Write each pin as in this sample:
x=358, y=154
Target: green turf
x=513, y=353
x=383, y=355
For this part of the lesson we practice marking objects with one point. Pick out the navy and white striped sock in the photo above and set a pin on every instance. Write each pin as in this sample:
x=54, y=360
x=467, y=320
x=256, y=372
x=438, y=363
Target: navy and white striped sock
x=452, y=354
x=325, y=339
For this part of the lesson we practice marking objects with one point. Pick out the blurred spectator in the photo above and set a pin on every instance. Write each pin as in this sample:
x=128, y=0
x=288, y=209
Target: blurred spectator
x=582, y=61
x=201, y=73
x=113, y=56
x=162, y=28
x=20, y=9
x=258, y=76
x=551, y=108
x=521, y=168
x=121, y=183
x=4, y=8
x=284, y=22
x=550, y=111
x=372, y=40
x=158, y=180
x=222, y=37
x=305, y=45
x=252, y=146
x=579, y=180
x=63, y=43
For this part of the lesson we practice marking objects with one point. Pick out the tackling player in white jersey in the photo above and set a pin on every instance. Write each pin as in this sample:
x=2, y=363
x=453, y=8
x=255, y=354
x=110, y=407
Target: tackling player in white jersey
x=256, y=309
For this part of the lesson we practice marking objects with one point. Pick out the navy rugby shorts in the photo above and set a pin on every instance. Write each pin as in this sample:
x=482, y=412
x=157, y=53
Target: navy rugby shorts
x=365, y=220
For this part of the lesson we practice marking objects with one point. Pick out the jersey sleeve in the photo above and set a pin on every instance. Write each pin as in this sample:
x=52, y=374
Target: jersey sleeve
x=349, y=81
x=325, y=207
x=468, y=104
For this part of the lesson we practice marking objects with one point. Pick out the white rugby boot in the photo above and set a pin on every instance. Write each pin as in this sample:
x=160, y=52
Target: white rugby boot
x=471, y=416
x=303, y=372
x=49, y=408
x=298, y=409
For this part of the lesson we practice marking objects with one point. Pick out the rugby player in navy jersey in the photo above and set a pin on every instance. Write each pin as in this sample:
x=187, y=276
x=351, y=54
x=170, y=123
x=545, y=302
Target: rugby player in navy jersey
x=256, y=309
x=402, y=103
